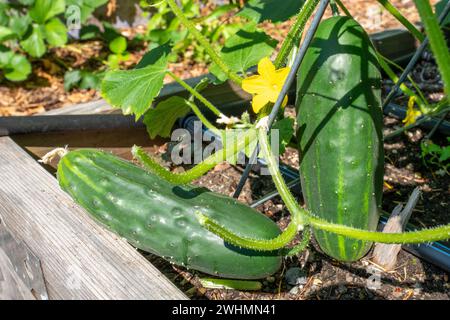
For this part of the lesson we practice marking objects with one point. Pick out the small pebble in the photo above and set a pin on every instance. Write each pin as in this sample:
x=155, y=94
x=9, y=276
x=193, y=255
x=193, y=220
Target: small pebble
x=296, y=276
x=294, y=290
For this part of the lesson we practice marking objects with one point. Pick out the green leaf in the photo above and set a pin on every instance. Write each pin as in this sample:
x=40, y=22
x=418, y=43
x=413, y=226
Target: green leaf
x=26, y=2
x=20, y=24
x=273, y=10
x=89, y=32
x=5, y=56
x=34, y=44
x=71, y=79
x=90, y=81
x=55, y=32
x=161, y=119
x=285, y=129
x=5, y=33
x=18, y=69
x=134, y=90
x=43, y=10
x=445, y=154
x=118, y=45
x=113, y=61
x=4, y=19
x=87, y=7
x=244, y=50
x=439, y=7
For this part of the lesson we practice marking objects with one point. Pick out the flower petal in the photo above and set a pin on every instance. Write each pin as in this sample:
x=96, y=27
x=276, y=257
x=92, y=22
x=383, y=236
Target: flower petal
x=285, y=102
x=258, y=102
x=280, y=76
x=271, y=94
x=255, y=84
x=266, y=68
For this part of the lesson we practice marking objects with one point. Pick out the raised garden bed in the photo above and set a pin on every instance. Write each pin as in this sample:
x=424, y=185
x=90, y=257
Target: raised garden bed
x=72, y=238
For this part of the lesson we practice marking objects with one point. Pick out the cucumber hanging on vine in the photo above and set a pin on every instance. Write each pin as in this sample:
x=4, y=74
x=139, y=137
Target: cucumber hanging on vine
x=340, y=133
x=159, y=217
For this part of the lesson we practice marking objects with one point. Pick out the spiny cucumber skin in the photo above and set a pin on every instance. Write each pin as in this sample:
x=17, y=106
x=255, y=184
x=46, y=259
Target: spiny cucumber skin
x=340, y=133
x=158, y=217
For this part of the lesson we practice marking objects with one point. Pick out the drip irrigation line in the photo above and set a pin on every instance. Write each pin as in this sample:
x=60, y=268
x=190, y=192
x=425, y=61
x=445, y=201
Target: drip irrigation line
x=436, y=126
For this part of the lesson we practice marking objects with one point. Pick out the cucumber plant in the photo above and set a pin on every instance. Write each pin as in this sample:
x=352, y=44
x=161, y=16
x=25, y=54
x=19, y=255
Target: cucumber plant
x=29, y=27
x=339, y=121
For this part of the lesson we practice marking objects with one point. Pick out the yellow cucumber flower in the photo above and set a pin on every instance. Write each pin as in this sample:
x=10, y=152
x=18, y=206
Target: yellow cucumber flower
x=411, y=114
x=266, y=86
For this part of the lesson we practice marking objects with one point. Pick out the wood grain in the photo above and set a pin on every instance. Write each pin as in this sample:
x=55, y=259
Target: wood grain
x=80, y=259
x=117, y=141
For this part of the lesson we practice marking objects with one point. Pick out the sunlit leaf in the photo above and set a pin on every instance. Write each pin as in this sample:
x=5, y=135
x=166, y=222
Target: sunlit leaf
x=55, y=32
x=44, y=10
x=244, y=50
x=34, y=43
x=161, y=119
x=273, y=10
x=134, y=90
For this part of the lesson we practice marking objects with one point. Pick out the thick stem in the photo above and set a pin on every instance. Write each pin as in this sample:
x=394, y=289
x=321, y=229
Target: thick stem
x=244, y=242
x=262, y=244
x=294, y=251
x=422, y=236
x=405, y=22
x=293, y=35
x=229, y=150
x=204, y=42
x=195, y=93
x=203, y=119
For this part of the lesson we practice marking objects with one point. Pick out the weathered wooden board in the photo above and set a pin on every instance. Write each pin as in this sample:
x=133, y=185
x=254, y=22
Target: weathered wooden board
x=117, y=141
x=11, y=287
x=80, y=259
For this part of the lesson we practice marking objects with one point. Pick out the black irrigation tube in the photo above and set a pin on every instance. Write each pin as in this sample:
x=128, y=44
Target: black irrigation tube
x=60, y=123
x=399, y=112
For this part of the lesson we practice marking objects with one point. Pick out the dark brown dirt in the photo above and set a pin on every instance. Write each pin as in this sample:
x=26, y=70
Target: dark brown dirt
x=324, y=277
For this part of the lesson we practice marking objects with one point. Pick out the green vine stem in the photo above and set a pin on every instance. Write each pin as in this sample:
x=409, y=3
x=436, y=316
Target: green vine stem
x=195, y=93
x=301, y=217
x=405, y=22
x=422, y=236
x=343, y=8
x=293, y=35
x=334, y=8
x=384, y=64
x=204, y=42
x=294, y=226
x=437, y=41
x=228, y=151
x=421, y=120
x=244, y=242
x=393, y=11
x=413, y=83
x=294, y=251
x=203, y=119
x=244, y=285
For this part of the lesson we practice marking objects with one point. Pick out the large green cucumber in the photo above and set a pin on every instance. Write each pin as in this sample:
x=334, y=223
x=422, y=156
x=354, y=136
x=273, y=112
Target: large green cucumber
x=158, y=217
x=340, y=133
